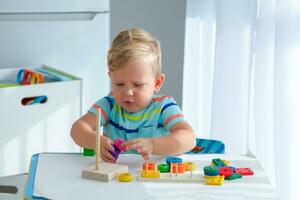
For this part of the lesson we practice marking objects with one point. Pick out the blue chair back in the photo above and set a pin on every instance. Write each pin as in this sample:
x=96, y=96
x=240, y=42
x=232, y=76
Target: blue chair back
x=208, y=146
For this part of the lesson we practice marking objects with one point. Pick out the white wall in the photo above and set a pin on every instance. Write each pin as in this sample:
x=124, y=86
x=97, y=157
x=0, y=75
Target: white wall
x=165, y=19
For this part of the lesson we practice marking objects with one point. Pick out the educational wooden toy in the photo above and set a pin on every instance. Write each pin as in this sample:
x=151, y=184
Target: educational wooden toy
x=211, y=170
x=163, y=168
x=220, y=169
x=88, y=152
x=189, y=166
x=125, y=177
x=234, y=176
x=102, y=171
x=150, y=174
x=118, y=148
x=226, y=171
x=214, y=180
x=171, y=171
x=244, y=171
x=107, y=172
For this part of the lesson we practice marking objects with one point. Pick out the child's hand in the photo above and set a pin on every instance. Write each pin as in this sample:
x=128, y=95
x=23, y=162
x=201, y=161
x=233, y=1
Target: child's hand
x=106, y=145
x=144, y=146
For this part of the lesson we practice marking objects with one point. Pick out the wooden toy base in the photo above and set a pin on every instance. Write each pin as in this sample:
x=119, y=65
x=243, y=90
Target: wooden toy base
x=182, y=178
x=107, y=172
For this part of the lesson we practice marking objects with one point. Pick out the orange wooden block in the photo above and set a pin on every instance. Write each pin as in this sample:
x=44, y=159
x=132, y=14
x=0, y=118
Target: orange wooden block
x=178, y=168
x=151, y=166
x=189, y=166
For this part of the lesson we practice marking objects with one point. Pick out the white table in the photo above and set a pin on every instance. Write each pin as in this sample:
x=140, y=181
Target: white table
x=12, y=187
x=58, y=176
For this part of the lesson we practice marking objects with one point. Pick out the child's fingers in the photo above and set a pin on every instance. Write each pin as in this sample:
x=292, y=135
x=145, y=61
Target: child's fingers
x=134, y=146
x=107, y=155
x=143, y=152
x=109, y=147
x=146, y=157
x=131, y=142
x=105, y=159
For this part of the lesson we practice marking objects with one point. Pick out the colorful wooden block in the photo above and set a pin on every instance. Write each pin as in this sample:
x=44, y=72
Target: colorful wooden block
x=88, y=152
x=178, y=168
x=118, y=148
x=173, y=160
x=225, y=171
x=115, y=153
x=189, y=166
x=163, y=168
x=233, y=176
x=150, y=166
x=233, y=168
x=218, y=162
x=214, y=180
x=118, y=144
x=211, y=170
x=244, y=171
x=150, y=174
x=125, y=177
x=226, y=162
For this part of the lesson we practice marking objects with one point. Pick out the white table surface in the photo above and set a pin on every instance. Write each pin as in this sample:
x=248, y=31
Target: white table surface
x=18, y=181
x=58, y=176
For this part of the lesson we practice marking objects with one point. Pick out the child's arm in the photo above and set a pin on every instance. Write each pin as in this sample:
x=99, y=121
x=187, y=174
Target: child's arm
x=83, y=133
x=180, y=140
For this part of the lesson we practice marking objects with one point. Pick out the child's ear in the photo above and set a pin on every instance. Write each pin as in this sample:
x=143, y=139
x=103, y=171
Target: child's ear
x=159, y=80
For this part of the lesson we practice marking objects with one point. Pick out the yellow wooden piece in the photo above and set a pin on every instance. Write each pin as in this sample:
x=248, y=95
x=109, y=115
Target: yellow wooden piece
x=125, y=177
x=212, y=177
x=150, y=174
x=214, y=180
x=226, y=162
x=189, y=166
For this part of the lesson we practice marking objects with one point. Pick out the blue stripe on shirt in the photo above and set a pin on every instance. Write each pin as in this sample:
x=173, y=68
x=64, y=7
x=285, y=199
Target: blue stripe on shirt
x=114, y=124
x=110, y=102
x=166, y=106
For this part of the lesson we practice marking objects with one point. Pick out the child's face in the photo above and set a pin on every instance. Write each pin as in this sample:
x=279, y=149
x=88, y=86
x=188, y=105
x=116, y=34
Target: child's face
x=134, y=84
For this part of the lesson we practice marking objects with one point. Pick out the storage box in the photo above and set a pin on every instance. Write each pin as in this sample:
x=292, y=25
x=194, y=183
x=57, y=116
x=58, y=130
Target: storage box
x=40, y=127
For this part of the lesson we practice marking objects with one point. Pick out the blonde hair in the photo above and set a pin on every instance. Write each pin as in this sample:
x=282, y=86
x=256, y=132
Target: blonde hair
x=134, y=45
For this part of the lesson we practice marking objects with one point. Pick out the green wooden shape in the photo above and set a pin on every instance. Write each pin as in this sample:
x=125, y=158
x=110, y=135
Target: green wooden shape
x=164, y=168
x=211, y=170
x=234, y=176
x=88, y=152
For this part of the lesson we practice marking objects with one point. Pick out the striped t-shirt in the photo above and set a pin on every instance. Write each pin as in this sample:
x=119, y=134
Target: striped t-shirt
x=153, y=121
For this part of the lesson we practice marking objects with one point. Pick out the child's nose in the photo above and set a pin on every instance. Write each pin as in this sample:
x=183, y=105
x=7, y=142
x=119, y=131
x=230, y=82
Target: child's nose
x=129, y=92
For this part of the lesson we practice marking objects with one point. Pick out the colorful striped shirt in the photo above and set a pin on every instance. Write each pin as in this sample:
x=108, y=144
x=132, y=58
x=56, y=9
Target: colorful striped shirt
x=153, y=121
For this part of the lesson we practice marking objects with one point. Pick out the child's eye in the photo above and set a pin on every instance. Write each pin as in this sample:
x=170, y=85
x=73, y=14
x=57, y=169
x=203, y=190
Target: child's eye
x=119, y=84
x=138, y=84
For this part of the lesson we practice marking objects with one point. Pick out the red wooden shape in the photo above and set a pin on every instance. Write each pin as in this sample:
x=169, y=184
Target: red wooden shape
x=244, y=171
x=225, y=171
